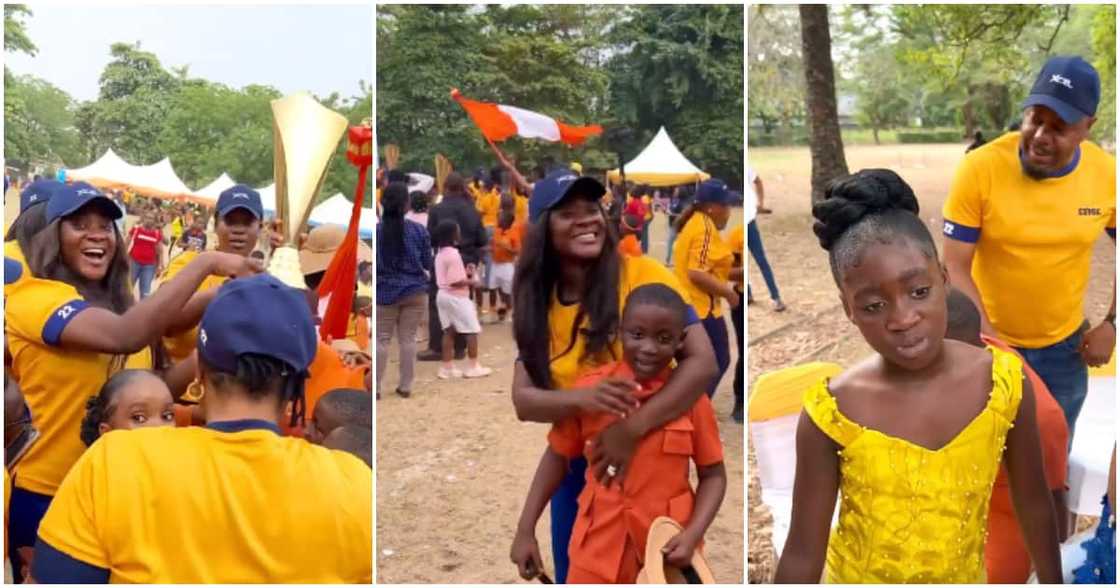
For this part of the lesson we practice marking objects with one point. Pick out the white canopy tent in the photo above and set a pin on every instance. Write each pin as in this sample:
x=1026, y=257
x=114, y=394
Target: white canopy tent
x=336, y=211
x=112, y=172
x=106, y=169
x=268, y=197
x=660, y=164
x=214, y=189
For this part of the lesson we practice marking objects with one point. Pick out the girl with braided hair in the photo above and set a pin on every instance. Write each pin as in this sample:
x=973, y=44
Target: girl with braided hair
x=912, y=437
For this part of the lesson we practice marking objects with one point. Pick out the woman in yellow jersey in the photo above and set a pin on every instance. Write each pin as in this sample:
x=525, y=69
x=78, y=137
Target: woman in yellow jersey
x=230, y=502
x=73, y=323
x=571, y=283
x=702, y=262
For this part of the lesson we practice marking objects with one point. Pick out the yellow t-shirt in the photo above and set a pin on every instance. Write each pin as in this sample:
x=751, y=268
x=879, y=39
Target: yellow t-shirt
x=520, y=208
x=198, y=505
x=488, y=205
x=1034, y=238
x=567, y=364
x=699, y=246
x=55, y=382
x=648, y=201
x=180, y=346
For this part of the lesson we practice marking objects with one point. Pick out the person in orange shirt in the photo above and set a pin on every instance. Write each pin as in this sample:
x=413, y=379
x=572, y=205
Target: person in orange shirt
x=1005, y=554
x=609, y=538
x=507, y=246
x=630, y=228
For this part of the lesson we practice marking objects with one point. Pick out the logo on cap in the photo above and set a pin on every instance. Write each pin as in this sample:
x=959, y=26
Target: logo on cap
x=567, y=179
x=202, y=336
x=1062, y=81
x=33, y=198
x=240, y=195
x=87, y=192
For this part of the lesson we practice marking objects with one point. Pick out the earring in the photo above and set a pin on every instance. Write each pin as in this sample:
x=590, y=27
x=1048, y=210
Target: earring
x=194, y=392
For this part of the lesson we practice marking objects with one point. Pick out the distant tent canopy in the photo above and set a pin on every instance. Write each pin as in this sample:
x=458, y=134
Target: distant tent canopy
x=660, y=164
x=158, y=179
x=336, y=211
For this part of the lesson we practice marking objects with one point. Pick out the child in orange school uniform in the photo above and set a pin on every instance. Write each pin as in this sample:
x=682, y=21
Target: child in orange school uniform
x=609, y=538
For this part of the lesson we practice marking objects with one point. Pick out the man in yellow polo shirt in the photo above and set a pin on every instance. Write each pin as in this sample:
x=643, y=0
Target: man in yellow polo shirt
x=1021, y=219
x=231, y=502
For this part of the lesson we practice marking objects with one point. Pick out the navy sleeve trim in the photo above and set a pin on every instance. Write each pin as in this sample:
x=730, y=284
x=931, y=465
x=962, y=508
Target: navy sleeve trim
x=692, y=317
x=52, y=566
x=52, y=330
x=1111, y=232
x=958, y=232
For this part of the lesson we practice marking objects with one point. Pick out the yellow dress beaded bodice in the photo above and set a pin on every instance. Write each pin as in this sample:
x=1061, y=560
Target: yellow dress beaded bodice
x=910, y=514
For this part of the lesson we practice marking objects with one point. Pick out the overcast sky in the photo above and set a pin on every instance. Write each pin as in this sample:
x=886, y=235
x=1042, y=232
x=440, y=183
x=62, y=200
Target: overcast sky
x=321, y=48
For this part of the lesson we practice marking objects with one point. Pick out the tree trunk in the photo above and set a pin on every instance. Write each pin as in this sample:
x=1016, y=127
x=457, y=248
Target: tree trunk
x=825, y=146
x=969, y=112
x=875, y=133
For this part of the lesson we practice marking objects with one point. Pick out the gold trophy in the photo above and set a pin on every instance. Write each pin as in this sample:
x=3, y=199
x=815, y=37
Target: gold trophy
x=305, y=136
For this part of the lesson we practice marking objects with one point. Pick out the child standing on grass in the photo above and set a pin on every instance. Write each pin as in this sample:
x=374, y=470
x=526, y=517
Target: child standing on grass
x=609, y=538
x=457, y=313
x=912, y=437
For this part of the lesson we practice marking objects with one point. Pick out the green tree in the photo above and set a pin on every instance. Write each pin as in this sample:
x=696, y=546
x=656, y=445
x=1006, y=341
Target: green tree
x=776, y=89
x=135, y=98
x=1104, y=52
x=342, y=176
x=39, y=122
x=15, y=32
x=423, y=52
x=681, y=67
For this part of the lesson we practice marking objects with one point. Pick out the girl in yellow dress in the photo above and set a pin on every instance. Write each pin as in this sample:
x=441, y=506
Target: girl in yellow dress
x=913, y=436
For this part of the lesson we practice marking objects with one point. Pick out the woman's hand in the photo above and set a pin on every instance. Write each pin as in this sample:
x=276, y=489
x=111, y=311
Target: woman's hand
x=232, y=265
x=1097, y=344
x=527, y=555
x=614, y=395
x=731, y=296
x=612, y=451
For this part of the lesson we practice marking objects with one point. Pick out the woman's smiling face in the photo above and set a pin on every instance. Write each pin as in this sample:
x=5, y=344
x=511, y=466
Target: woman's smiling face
x=88, y=242
x=578, y=228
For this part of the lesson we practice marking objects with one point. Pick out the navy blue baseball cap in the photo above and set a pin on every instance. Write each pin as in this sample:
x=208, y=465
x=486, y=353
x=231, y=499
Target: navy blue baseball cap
x=714, y=191
x=71, y=197
x=240, y=196
x=259, y=315
x=12, y=271
x=37, y=192
x=1069, y=86
x=548, y=192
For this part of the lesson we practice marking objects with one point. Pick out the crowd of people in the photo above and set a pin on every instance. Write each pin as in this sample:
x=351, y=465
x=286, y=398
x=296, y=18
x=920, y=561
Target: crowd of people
x=948, y=448
x=618, y=351
x=195, y=429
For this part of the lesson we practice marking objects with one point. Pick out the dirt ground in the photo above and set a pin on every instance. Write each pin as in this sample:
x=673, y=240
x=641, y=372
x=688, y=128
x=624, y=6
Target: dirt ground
x=815, y=328
x=454, y=464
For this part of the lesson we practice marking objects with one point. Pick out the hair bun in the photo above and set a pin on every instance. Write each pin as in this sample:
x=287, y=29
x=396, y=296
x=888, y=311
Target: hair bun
x=849, y=199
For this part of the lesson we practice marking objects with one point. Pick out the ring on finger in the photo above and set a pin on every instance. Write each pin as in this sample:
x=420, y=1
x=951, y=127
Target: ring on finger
x=612, y=470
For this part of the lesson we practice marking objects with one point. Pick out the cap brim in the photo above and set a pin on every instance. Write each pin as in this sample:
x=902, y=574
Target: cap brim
x=110, y=207
x=1067, y=113
x=224, y=211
